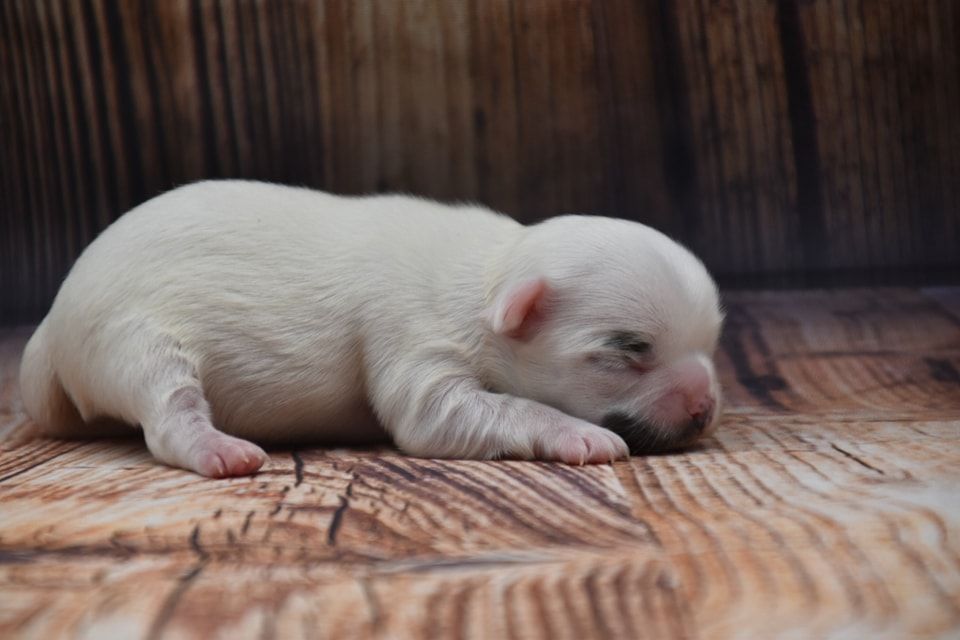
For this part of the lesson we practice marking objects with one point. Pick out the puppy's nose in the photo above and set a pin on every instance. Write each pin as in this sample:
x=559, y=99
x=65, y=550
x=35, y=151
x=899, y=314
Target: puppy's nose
x=701, y=412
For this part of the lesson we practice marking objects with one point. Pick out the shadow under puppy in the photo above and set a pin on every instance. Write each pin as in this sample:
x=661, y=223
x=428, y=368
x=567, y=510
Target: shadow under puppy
x=227, y=312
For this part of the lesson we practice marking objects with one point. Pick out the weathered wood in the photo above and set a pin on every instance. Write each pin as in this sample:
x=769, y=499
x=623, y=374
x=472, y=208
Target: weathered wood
x=780, y=136
x=826, y=506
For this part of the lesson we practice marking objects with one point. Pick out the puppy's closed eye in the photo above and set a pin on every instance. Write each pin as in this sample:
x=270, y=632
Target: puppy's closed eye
x=629, y=342
x=619, y=361
x=609, y=361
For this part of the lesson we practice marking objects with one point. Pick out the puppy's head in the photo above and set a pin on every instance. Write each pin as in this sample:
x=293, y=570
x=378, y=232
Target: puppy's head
x=612, y=322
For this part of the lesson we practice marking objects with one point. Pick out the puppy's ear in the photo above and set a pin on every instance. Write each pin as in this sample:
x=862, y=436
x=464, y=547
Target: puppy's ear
x=518, y=307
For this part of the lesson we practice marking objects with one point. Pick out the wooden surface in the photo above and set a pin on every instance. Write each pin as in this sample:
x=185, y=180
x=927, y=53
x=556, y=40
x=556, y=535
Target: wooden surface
x=827, y=505
x=783, y=136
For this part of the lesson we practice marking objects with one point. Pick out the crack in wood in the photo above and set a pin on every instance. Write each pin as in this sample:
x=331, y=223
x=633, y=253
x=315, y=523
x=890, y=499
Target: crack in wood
x=32, y=554
x=857, y=459
x=490, y=561
x=337, y=520
x=195, y=543
x=297, y=468
x=246, y=523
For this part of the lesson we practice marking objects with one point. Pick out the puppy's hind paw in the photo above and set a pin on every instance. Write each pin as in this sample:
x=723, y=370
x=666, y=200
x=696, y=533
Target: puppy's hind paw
x=223, y=456
x=582, y=445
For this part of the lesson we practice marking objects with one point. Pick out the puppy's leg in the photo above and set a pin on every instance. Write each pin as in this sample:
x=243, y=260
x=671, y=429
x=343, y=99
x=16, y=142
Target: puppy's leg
x=454, y=418
x=179, y=432
x=151, y=381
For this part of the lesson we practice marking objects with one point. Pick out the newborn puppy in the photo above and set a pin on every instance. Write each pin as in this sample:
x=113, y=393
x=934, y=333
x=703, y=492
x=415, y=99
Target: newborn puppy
x=222, y=313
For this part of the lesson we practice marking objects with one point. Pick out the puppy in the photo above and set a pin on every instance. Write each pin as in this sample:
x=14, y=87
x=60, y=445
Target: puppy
x=227, y=312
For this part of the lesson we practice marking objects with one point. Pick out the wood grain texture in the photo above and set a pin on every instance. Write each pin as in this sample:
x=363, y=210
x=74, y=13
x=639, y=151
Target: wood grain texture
x=826, y=506
x=771, y=137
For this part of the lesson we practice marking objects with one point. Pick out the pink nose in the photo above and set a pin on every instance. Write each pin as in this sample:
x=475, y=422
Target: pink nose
x=697, y=401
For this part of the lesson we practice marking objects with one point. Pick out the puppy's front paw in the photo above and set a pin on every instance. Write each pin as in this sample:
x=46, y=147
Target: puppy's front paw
x=581, y=444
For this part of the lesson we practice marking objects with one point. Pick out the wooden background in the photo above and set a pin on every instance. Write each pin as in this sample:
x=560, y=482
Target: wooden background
x=772, y=137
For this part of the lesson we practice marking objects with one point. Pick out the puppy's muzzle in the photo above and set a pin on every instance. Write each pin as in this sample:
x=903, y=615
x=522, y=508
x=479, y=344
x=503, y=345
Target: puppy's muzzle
x=642, y=436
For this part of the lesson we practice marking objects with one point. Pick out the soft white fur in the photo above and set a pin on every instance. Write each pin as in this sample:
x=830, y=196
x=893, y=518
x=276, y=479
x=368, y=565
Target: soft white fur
x=276, y=313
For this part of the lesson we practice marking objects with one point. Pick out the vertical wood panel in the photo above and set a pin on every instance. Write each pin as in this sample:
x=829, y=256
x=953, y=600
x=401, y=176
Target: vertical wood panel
x=771, y=137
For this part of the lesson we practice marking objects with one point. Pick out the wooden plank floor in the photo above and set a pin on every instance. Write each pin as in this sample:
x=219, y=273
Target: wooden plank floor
x=827, y=505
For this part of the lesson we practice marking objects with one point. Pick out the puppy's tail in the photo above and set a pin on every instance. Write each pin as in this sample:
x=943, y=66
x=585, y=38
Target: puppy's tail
x=44, y=397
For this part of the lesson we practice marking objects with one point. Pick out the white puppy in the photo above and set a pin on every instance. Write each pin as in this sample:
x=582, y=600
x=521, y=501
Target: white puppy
x=274, y=313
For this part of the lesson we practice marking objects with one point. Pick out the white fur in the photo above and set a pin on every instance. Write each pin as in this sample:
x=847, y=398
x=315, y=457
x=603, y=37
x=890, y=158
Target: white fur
x=285, y=314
